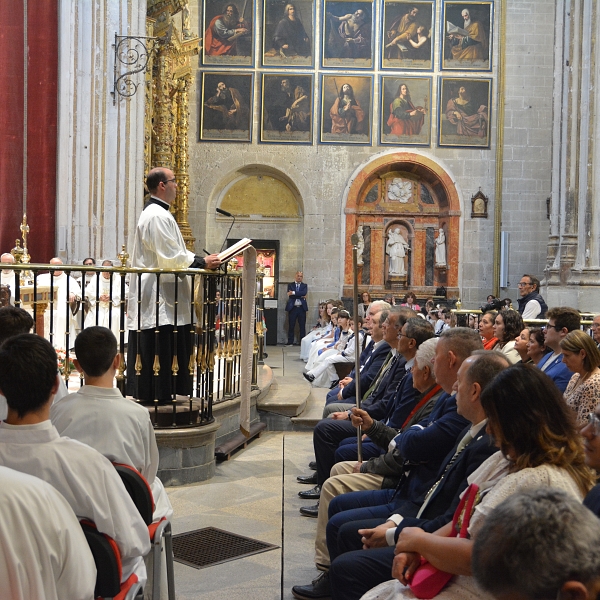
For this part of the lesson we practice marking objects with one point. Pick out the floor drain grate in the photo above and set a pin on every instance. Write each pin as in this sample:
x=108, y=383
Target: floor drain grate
x=211, y=546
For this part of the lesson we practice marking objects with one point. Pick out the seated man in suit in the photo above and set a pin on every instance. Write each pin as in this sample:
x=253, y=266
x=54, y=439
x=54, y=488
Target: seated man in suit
x=361, y=540
x=99, y=416
x=561, y=320
x=43, y=553
x=30, y=443
x=331, y=431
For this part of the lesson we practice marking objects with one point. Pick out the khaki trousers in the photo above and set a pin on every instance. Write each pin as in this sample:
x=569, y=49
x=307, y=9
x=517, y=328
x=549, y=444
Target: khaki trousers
x=342, y=480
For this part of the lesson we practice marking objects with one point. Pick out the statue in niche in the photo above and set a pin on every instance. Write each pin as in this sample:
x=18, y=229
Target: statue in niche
x=440, y=249
x=360, y=246
x=396, y=248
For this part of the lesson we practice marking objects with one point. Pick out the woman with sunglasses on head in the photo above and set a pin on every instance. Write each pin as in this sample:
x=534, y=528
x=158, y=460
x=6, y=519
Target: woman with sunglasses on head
x=582, y=357
x=507, y=326
x=539, y=446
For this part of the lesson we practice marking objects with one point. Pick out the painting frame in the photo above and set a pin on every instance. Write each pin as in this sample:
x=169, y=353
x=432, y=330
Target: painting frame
x=344, y=8
x=208, y=121
x=331, y=89
x=273, y=114
x=215, y=52
x=274, y=22
x=481, y=28
x=393, y=15
x=470, y=105
x=418, y=87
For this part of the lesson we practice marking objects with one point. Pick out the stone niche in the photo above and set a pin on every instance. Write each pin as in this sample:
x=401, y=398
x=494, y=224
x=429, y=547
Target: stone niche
x=400, y=204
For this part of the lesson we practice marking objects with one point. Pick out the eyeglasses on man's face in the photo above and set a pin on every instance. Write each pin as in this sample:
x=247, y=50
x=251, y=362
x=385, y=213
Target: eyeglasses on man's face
x=523, y=284
x=170, y=181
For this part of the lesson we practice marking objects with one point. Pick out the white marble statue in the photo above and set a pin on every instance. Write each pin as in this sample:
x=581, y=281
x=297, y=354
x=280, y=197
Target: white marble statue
x=360, y=246
x=440, y=249
x=396, y=248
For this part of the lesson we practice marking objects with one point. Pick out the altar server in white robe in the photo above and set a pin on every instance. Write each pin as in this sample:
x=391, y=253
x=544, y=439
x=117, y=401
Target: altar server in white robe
x=13, y=321
x=98, y=415
x=62, y=316
x=159, y=244
x=30, y=443
x=43, y=551
x=104, y=302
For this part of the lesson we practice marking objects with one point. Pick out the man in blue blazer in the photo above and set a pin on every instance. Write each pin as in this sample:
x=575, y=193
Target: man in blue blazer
x=296, y=307
x=355, y=570
x=561, y=320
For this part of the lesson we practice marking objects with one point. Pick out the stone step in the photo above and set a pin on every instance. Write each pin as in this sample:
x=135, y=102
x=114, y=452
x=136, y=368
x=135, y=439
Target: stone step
x=313, y=411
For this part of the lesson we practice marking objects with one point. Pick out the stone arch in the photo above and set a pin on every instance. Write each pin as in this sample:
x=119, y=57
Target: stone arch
x=410, y=188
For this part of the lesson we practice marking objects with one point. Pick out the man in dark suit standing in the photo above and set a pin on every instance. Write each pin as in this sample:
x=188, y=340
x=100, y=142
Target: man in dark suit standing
x=296, y=307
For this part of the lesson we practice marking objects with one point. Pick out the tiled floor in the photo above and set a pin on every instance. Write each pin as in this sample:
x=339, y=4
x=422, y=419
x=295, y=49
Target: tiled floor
x=254, y=494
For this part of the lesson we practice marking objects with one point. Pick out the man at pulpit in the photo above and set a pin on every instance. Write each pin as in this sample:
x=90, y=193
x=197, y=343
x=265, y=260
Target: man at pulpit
x=64, y=312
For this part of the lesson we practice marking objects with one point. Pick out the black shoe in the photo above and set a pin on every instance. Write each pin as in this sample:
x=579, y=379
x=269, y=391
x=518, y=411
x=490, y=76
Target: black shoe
x=309, y=377
x=334, y=384
x=319, y=588
x=312, y=465
x=288, y=345
x=310, y=511
x=312, y=494
x=312, y=478
x=265, y=355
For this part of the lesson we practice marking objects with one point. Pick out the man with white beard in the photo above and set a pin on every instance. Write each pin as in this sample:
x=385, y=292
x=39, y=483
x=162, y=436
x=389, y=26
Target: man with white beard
x=474, y=46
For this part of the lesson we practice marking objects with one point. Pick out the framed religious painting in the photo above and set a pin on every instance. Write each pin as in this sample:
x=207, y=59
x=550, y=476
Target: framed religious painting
x=288, y=33
x=346, y=109
x=464, y=112
x=347, y=30
x=226, y=101
x=228, y=33
x=407, y=35
x=405, y=111
x=286, y=108
x=467, y=36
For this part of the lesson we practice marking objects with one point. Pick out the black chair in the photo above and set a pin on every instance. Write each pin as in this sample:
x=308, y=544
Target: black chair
x=108, y=565
x=141, y=494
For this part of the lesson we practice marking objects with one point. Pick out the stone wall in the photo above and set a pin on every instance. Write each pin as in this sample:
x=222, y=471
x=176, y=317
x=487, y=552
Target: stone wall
x=322, y=174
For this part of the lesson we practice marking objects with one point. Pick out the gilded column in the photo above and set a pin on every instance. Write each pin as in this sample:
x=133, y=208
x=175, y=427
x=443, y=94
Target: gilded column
x=162, y=139
x=182, y=162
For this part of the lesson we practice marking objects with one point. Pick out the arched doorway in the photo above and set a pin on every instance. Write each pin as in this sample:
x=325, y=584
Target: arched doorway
x=406, y=210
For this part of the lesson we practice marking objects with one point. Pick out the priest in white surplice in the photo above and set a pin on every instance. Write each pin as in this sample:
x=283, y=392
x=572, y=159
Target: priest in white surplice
x=159, y=244
x=98, y=415
x=62, y=315
x=7, y=277
x=30, y=443
x=105, y=304
x=43, y=551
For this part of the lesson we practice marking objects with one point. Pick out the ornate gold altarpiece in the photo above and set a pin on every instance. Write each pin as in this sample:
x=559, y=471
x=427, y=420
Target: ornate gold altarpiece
x=168, y=80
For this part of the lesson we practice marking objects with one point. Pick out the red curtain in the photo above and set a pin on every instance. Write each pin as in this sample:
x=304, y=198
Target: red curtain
x=40, y=160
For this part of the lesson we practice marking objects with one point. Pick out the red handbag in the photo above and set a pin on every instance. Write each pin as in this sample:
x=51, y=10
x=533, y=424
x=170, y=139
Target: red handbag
x=428, y=581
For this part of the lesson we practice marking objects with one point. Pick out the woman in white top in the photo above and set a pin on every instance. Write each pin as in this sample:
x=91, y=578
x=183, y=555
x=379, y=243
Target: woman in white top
x=507, y=326
x=539, y=446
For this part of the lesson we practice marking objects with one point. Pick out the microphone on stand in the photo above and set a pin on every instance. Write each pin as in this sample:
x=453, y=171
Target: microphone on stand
x=226, y=214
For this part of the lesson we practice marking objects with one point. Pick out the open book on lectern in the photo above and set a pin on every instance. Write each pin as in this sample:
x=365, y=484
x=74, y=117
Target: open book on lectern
x=234, y=250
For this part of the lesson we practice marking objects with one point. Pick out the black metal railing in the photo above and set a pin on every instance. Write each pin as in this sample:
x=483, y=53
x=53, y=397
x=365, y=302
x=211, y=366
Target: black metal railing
x=64, y=305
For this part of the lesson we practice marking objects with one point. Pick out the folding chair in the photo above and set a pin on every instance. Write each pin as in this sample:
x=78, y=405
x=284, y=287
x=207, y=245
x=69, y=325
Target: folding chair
x=108, y=567
x=141, y=494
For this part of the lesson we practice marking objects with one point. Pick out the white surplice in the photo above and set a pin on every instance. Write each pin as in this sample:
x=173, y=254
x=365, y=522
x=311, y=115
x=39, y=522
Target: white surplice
x=159, y=244
x=87, y=480
x=61, y=314
x=118, y=428
x=9, y=280
x=43, y=551
x=109, y=313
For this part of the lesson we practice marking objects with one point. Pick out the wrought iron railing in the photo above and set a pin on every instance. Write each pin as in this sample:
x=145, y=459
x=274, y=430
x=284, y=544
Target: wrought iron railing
x=60, y=310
